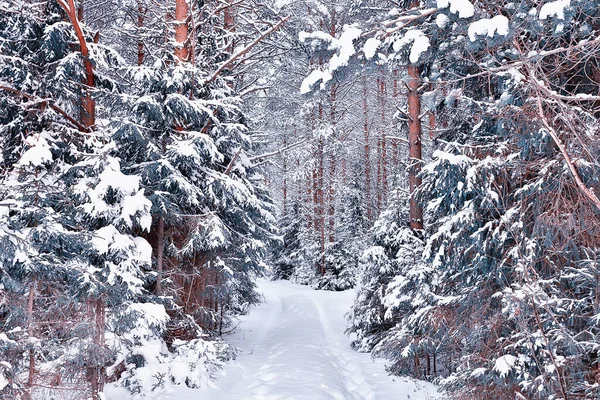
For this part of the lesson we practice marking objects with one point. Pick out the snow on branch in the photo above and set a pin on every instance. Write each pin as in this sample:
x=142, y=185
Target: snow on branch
x=279, y=151
x=47, y=102
x=246, y=49
x=563, y=149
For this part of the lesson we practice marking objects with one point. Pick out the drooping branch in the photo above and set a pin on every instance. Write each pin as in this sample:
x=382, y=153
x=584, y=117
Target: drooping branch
x=246, y=49
x=563, y=149
x=400, y=23
x=47, y=102
x=535, y=57
x=279, y=151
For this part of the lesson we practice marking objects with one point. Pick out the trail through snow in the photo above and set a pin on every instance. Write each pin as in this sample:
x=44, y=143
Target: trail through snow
x=294, y=348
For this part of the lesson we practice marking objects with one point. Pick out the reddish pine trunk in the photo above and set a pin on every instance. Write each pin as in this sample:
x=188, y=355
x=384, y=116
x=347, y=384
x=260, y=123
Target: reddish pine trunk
x=320, y=194
x=97, y=372
x=30, y=332
x=382, y=185
x=333, y=158
x=140, y=21
x=285, y=174
x=181, y=30
x=309, y=200
x=87, y=102
x=315, y=199
x=332, y=168
x=414, y=141
x=414, y=146
x=229, y=24
x=395, y=155
x=367, y=154
x=160, y=254
x=216, y=302
x=431, y=124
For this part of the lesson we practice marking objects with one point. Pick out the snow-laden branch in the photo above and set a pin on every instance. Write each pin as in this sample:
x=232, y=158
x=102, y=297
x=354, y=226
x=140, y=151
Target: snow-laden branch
x=563, y=149
x=279, y=151
x=246, y=49
x=49, y=103
x=533, y=57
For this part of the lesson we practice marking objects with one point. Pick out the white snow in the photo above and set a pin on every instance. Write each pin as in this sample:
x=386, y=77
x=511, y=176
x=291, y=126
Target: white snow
x=464, y=8
x=489, y=27
x=505, y=364
x=420, y=44
x=554, y=8
x=3, y=381
x=345, y=50
x=144, y=249
x=370, y=47
x=313, y=78
x=319, y=36
x=38, y=153
x=153, y=314
x=442, y=20
x=294, y=348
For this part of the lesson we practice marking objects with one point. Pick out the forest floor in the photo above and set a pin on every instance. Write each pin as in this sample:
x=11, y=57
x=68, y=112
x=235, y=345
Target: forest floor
x=293, y=347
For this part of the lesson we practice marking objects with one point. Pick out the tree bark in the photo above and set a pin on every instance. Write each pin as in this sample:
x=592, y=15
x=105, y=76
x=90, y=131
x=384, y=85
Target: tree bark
x=333, y=152
x=160, y=255
x=98, y=372
x=395, y=155
x=414, y=145
x=87, y=102
x=229, y=25
x=332, y=166
x=30, y=333
x=383, y=141
x=285, y=188
x=140, y=24
x=367, y=153
x=181, y=30
x=320, y=193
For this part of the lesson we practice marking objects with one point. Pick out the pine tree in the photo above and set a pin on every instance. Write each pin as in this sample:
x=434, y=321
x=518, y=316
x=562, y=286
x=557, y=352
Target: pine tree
x=58, y=205
x=342, y=256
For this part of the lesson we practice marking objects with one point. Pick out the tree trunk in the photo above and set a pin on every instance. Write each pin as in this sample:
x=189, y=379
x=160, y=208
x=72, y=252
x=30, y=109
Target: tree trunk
x=414, y=145
x=98, y=372
x=160, y=247
x=30, y=333
x=332, y=167
x=383, y=141
x=181, y=30
x=320, y=193
x=395, y=154
x=229, y=25
x=333, y=152
x=140, y=24
x=285, y=188
x=87, y=102
x=309, y=201
x=367, y=154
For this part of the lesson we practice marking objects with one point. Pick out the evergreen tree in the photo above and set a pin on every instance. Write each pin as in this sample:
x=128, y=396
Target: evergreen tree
x=289, y=255
x=342, y=256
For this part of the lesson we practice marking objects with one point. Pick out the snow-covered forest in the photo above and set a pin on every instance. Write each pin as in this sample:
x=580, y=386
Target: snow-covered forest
x=312, y=199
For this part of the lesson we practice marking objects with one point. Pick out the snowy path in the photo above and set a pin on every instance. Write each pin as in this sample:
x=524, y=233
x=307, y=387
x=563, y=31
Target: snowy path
x=294, y=348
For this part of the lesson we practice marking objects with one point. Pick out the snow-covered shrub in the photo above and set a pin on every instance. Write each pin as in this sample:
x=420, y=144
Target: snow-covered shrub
x=145, y=363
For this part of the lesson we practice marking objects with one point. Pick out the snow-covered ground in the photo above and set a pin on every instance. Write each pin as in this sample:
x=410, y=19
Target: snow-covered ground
x=294, y=348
